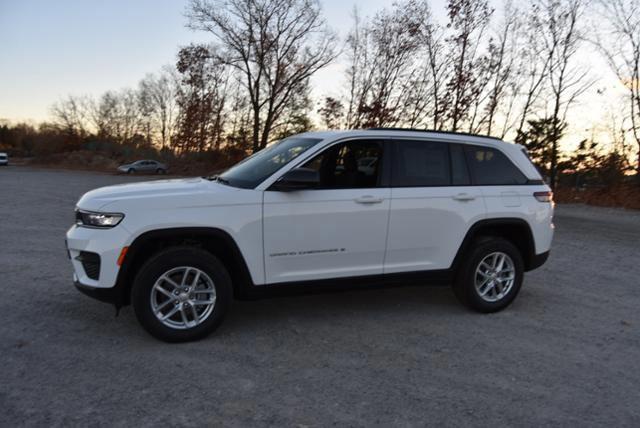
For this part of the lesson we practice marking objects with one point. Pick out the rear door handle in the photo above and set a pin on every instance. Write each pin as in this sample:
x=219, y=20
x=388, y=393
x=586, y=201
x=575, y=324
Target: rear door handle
x=368, y=199
x=463, y=197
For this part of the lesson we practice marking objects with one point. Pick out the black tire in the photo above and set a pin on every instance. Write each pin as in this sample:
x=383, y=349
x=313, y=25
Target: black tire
x=160, y=171
x=131, y=171
x=464, y=285
x=162, y=262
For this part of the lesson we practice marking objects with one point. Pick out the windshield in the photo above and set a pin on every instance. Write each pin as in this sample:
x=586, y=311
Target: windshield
x=258, y=167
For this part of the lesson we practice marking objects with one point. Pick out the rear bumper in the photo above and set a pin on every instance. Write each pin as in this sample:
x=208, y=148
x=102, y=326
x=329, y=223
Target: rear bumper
x=538, y=260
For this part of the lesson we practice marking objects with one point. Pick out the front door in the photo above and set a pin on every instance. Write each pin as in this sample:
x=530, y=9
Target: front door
x=338, y=229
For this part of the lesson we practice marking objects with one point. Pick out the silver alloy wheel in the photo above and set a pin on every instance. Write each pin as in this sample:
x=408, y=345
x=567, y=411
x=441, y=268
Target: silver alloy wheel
x=495, y=276
x=183, y=297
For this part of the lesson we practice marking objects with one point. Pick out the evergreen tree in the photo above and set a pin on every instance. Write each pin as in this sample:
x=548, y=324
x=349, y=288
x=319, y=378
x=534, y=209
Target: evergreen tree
x=539, y=140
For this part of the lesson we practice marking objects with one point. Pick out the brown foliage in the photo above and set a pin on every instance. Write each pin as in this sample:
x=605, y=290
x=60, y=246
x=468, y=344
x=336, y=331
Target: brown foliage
x=623, y=196
x=79, y=159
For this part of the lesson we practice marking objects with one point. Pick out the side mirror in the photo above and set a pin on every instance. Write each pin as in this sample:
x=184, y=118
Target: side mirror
x=297, y=179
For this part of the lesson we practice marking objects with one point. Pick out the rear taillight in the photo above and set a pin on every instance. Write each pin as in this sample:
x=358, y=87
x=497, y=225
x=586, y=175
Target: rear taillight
x=544, y=196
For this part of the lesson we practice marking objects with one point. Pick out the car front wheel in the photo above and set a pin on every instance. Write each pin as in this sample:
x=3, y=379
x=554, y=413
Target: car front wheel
x=181, y=294
x=491, y=276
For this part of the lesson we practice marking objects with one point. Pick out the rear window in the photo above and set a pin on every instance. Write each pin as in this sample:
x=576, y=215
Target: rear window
x=491, y=167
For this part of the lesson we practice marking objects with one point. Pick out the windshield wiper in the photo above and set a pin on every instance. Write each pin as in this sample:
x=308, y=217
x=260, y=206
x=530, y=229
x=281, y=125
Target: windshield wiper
x=218, y=179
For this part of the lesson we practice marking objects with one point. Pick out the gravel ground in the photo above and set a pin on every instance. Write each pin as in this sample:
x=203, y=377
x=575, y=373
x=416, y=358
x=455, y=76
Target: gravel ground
x=566, y=353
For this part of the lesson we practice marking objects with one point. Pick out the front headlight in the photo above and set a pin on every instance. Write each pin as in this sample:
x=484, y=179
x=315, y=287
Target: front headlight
x=99, y=220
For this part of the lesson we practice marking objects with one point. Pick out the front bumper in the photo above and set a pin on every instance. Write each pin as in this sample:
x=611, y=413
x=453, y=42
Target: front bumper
x=107, y=295
x=106, y=243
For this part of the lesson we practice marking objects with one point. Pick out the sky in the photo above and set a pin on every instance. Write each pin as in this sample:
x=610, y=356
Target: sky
x=53, y=48
x=50, y=49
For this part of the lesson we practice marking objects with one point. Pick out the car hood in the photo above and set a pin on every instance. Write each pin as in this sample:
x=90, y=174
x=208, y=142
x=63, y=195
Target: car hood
x=173, y=192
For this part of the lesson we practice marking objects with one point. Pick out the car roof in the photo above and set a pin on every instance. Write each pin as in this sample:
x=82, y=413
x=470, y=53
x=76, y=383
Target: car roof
x=407, y=133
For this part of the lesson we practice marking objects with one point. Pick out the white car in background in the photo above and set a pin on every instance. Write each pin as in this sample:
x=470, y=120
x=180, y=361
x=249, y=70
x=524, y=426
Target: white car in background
x=4, y=159
x=144, y=166
x=321, y=209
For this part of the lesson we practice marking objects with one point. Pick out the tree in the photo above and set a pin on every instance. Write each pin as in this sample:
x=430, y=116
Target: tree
x=436, y=67
x=358, y=54
x=621, y=48
x=387, y=85
x=276, y=45
x=533, y=67
x=162, y=92
x=591, y=163
x=538, y=139
x=146, y=108
x=562, y=36
x=70, y=114
x=201, y=97
x=115, y=115
x=238, y=134
x=395, y=39
x=295, y=117
x=501, y=65
x=468, y=20
x=331, y=113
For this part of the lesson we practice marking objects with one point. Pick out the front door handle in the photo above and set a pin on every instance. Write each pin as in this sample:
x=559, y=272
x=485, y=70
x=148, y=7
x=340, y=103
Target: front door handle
x=464, y=197
x=368, y=199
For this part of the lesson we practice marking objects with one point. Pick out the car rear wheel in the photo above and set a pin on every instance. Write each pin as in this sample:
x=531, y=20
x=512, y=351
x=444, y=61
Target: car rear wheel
x=181, y=294
x=160, y=171
x=491, y=276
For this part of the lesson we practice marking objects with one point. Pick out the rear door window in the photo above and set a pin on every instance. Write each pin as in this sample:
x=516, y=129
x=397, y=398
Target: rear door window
x=459, y=171
x=420, y=164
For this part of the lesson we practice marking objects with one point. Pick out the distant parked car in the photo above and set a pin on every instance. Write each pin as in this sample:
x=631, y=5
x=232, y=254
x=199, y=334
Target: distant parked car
x=4, y=159
x=144, y=166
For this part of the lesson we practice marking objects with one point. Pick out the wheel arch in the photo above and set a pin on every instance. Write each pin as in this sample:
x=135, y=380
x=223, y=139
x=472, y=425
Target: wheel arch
x=214, y=240
x=515, y=230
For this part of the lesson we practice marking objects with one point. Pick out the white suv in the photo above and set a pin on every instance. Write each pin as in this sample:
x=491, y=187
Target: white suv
x=317, y=210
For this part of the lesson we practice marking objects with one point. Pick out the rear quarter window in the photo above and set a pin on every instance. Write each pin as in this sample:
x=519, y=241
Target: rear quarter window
x=492, y=167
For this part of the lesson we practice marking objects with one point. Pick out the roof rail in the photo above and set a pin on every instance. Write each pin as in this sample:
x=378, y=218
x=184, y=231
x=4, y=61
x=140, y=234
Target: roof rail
x=434, y=131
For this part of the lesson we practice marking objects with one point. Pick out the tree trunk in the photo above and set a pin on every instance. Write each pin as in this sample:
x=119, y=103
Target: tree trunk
x=554, y=165
x=638, y=166
x=256, y=130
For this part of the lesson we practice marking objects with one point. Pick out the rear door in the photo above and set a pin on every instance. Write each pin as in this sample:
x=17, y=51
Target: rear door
x=336, y=230
x=432, y=205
